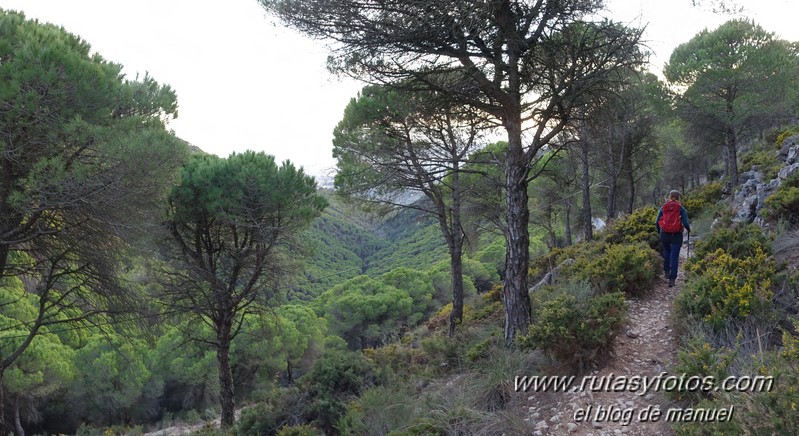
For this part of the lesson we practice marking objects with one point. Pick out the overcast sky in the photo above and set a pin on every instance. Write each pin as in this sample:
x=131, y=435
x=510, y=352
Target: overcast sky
x=245, y=83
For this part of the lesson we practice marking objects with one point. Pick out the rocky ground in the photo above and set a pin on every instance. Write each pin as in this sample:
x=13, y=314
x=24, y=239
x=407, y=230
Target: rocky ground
x=646, y=347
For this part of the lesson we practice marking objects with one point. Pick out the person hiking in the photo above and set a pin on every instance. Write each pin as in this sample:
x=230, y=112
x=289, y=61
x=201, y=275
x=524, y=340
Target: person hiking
x=672, y=219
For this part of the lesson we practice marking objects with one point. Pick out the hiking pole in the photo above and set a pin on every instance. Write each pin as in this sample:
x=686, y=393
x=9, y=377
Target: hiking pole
x=688, y=255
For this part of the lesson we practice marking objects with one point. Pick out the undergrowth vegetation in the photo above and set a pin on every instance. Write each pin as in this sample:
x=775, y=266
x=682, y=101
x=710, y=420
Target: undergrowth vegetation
x=424, y=382
x=783, y=205
x=576, y=318
x=703, y=199
x=737, y=313
x=576, y=328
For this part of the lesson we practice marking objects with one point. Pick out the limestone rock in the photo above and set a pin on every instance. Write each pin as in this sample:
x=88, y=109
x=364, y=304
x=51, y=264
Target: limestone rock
x=541, y=425
x=788, y=144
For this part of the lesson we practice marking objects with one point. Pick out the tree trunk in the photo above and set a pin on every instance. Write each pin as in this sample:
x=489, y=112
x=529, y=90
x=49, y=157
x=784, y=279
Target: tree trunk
x=553, y=240
x=727, y=162
x=17, y=421
x=631, y=181
x=456, y=251
x=4, y=249
x=226, y=392
x=289, y=374
x=456, y=266
x=588, y=229
x=611, y=205
x=518, y=312
x=567, y=221
x=2, y=402
x=733, y=159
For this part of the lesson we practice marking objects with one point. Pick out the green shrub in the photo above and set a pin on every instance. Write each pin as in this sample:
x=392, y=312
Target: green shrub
x=784, y=203
x=699, y=359
x=492, y=388
x=727, y=288
x=787, y=133
x=209, y=429
x=630, y=269
x=737, y=241
x=486, y=311
x=480, y=350
x=287, y=407
x=333, y=380
x=395, y=358
x=577, y=331
x=494, y=295
x=702, y=198
x=441, y=350
x=765, y=159
x=419, y=427
x=457, y=419
x=378, y=411
x=114, y=430
x=192, y=417
x=299, y=430
x=770, y=410
x=441, y=318
x=340, y=374
x=582, y=253
x=637, y=227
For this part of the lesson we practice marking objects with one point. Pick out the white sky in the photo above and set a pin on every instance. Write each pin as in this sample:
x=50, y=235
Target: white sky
x=245, y=83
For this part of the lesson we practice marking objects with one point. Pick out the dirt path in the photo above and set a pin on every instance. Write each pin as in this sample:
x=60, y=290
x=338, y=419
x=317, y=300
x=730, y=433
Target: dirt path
x=645, y=348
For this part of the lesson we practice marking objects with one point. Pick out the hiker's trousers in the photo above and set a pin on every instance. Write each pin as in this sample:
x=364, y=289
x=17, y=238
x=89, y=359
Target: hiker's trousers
x=671, y=252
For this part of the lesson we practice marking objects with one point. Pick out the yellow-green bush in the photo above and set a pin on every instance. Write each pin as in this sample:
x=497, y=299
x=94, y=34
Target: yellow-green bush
x=782, y=136
x=299, y=430
x=702, y=198
x=700, y=359
x=485, y=312
x=728, y=288
x=784, y=203
x=637, y=227
x=630, y=269
x=494, y=294
x=441, y=318
x=737, y=241
x=771, y=410
x=480, y=350
x=624, y=258
x=765, y=160
x=576, y=331
x=285, y=407
x=582, y=253
x=378, y=410
x=443, y=352
x=395, y=358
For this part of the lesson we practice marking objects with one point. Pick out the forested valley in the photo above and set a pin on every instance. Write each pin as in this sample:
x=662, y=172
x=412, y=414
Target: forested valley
x=492, y=216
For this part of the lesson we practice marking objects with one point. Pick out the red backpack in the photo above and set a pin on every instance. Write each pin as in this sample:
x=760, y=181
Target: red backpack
x=671, y=221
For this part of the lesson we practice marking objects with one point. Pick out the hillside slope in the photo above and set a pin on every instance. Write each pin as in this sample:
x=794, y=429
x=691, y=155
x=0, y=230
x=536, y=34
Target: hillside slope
x=647, y=347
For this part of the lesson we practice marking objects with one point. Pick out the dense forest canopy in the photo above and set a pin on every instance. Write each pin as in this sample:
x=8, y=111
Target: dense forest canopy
x=145, y=283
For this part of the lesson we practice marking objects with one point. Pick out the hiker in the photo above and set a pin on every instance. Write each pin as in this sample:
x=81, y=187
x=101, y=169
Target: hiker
x=671, y=220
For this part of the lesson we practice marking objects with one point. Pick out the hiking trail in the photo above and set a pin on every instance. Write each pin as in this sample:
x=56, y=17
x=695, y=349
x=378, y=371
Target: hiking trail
x=645, y=346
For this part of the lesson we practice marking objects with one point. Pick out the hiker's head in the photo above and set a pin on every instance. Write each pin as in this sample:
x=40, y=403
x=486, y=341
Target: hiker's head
x=674, y=195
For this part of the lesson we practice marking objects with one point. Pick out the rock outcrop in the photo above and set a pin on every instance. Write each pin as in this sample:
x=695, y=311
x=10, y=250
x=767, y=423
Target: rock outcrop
x=750, y=197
